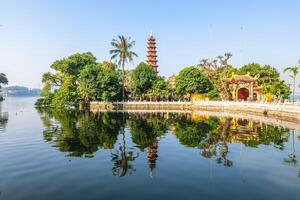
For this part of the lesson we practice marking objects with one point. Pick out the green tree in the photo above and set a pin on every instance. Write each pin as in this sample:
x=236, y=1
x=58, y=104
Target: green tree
x=4, y=81
x=142, y=79
x=294, y=72
x=60, y=86
x=158, y=90
x=269, y=79
x=191, y=80
x=99, y=82
x=122, y=53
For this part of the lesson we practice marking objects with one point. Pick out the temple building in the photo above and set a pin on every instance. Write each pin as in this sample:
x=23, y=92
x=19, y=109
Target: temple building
x=151, y=53
x=244, y=87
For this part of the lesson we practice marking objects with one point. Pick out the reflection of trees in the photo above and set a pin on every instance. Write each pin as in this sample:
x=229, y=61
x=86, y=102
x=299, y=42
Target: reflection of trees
x=123, y=158
x=269, y=135
x=145, y=132
x=3, y=120
x=192, y=133
x=292, y=159
x=215, y=144
x=81, y=134
x=146, y=128
x=212, y=135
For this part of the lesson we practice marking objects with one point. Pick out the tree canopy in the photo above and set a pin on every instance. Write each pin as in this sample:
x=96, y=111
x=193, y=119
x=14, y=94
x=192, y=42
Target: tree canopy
x=269, y=79
x=191, y=80
x=4, y=81
x=60, y=86
x=142, y=79
x=99, y=82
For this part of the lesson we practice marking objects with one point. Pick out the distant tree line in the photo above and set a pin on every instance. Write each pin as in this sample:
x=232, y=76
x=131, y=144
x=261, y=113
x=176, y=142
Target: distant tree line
x=19, y=91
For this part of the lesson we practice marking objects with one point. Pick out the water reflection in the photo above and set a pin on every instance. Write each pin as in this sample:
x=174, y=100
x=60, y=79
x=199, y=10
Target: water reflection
x=83, y=133
x=3, y=120
x=146, y=130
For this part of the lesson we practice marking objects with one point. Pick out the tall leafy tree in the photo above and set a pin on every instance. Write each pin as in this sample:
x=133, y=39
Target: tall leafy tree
x=159, y=89
x=269, y=79
x=122, y=53
x=142, y=79
x=98, y=82
x=60, y=86
x=190, y=80
x=293, y=74
x=4, y=81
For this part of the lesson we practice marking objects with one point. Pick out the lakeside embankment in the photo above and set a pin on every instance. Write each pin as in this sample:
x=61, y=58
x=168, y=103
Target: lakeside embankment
x=283, y=111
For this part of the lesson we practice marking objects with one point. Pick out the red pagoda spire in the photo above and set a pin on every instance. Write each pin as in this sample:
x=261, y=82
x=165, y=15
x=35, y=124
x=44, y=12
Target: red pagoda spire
x=151, y=53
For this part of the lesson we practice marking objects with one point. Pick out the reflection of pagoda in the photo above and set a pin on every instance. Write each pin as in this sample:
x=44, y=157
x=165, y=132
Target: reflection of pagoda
x=152, y=156
x=151, y=53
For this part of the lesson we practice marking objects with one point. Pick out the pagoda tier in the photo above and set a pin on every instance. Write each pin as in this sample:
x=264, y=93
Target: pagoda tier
x=151, y=53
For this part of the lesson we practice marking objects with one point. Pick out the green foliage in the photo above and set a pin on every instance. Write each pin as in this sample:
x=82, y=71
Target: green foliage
x=99, y=82
x=80, y=134
x=108, y=65
x=278, y=88
x=294, y=72
x=158, y=90
x=269, y=79
x=84, y=133
x=192, y=133
x=213, y=94
x=60, y=87
x=145, y=130
x=142, y=79
x=4, y=81
x=73, y=64
x=267, y=74
x=191, y=80
x=122, y=53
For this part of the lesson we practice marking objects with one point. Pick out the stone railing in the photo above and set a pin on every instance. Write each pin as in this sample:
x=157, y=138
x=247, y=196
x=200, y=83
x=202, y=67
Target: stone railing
x=272, y=106
x=288, y=110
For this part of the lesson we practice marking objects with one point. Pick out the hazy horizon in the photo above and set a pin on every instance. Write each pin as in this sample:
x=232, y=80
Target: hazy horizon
x=33, y=33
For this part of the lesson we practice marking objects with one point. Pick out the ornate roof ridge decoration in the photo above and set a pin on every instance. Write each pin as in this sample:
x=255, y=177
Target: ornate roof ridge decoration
x=243, y=78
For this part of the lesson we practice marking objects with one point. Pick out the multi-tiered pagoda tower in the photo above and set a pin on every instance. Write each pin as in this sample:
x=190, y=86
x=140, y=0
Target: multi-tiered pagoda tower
x=151, y=53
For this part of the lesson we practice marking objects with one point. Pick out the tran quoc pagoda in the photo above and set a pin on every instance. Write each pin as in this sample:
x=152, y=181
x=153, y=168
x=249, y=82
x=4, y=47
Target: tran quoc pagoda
x=151, y=53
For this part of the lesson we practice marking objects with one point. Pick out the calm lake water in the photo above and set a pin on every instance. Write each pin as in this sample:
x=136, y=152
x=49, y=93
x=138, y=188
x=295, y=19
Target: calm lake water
x=47, y=154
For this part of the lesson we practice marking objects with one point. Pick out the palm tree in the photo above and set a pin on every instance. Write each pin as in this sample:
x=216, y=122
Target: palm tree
x=122, y=54
x=294, y=72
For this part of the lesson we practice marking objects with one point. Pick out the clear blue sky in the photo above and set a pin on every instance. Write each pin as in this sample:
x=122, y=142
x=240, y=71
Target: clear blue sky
x=34, y=33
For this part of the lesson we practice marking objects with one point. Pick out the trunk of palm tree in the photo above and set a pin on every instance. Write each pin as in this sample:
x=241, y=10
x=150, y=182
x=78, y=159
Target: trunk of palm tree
x=123, y=77
x=294, y=88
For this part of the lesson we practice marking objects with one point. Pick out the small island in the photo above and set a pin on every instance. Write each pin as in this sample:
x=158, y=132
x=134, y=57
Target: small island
x=80, y=81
